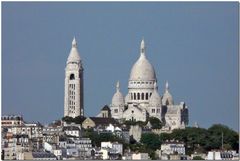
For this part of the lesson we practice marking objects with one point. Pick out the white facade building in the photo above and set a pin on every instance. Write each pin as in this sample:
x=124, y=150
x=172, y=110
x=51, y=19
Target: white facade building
x=140, y=156
x=171, y=147
x=143, y=99
x=73, y=102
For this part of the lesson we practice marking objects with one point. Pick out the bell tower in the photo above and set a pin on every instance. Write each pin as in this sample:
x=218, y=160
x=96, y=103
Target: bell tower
x=73, y=101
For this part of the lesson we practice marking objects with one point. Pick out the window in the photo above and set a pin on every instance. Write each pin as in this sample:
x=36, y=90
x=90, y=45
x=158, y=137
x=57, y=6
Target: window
x=158, y=110
x=115, y=110
x=138, y=95
x=72, y=77
x=134, y=96
x=146, y=96
x=142, y=96
x=153, y=110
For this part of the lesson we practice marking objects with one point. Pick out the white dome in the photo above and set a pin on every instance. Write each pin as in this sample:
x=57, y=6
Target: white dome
x=155, y=99
x=167, y=97
x=142, y=69
x=74, y=55
x=118, y=99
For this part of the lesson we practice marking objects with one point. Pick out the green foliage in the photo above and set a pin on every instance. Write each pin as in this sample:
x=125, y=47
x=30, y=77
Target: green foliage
x=198, y=158
x=202, y=140
x=128, y=123
x=151, y=140
x=98, y=138
x=76, y=120
x=155, y=122
x=229, y=137
x=67, y=119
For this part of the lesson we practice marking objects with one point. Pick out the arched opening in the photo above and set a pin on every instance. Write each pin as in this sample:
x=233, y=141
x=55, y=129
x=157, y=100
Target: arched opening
x=134, y=96
x=72, y=77
x=142, y=96
x=138, y=96
x=146, y=96
x=167, y=102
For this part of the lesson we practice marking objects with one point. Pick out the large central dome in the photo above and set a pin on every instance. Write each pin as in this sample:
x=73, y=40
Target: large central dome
x=142, y=69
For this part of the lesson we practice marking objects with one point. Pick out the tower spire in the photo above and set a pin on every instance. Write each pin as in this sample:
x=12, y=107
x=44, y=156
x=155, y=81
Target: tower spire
x=143, y=48
x=74, y=42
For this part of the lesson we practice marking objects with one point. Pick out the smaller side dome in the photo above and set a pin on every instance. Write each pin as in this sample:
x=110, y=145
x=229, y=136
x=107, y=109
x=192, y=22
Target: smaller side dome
x=155, y=99
x=74, y=55
x=118, y=99
x=167, y=97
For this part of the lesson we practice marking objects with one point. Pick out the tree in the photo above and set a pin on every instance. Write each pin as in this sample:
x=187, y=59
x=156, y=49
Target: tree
x=79, y=119
x=76, y=120
x=151, y=140
x=68, y=119
x=229, y=137
x=155, y=122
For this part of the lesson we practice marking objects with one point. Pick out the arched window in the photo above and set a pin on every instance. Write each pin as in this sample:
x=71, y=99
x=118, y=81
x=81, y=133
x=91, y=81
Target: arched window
x=142, y=96
x=146, y=96
x=131, y=96
x=72, y=77
x=134, y=96
x=150, y=94
x=138, y=96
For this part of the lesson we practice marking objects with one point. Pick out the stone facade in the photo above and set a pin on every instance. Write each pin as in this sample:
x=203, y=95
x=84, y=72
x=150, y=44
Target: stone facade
x=73, y=102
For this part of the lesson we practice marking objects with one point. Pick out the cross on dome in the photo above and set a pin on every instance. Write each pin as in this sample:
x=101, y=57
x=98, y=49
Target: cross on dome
x=118, y=86
x=167, y=86
x=143, y=48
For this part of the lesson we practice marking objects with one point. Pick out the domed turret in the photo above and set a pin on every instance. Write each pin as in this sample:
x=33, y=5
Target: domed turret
x=74, y=55
x=155, y=99
x=142, y=69
x=167, y=97
x=118, y=99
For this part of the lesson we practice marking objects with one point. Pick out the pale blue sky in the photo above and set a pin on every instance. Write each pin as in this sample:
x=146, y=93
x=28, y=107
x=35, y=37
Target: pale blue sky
x=192, y=45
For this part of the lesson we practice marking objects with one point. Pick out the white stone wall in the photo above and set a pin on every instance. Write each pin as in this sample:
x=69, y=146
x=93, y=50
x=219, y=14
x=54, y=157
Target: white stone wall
x=73, y=105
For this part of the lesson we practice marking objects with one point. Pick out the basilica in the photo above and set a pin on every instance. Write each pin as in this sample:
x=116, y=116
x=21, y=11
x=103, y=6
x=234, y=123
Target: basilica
x=143, y=99
x=141, y=102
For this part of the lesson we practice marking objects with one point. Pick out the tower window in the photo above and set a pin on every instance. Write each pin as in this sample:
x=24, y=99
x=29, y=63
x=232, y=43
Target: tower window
x=142, y=96
x=134, y=96
x=72, y=77
x=146, y=96
x=153, y=110
x=138, y=96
